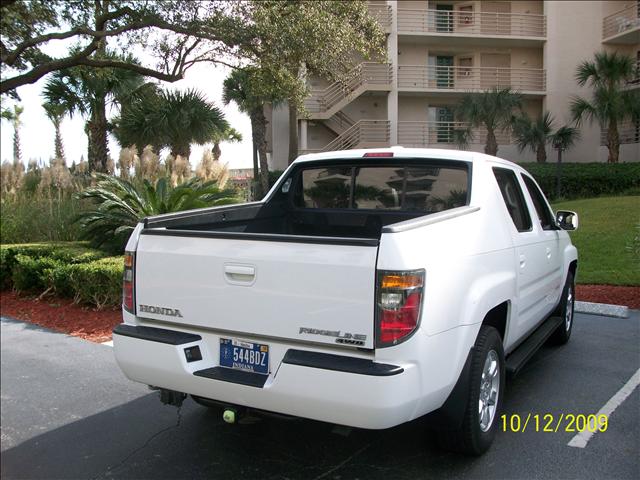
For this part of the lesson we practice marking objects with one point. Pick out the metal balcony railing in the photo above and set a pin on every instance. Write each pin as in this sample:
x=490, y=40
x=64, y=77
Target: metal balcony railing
x=634, y=81
x=381, y=11
x=365, y=74
x=470, y=78
x=621, y=21
x=458, y=22
x=424, y=134
x=628, y=131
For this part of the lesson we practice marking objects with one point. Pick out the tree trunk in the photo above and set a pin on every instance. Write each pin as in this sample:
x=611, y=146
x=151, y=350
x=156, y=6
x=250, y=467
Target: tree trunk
x=17, y=150
x=58, y=145
x=293, y=133
x=541, y=154
x=558, y=173
x=491, y=146
x=613, y=141
x=98, y=151
x=254, y=146
x=261, y=124
x=184, y=150
x=216, y=152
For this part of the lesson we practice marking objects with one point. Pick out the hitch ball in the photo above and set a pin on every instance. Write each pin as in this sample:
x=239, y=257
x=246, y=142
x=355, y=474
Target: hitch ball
x=229, y=416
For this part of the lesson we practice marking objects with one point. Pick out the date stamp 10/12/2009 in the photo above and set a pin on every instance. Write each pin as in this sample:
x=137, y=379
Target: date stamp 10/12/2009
x=553, y=423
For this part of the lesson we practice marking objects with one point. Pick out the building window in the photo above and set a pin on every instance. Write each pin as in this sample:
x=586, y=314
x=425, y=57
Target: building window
x=466, y=15
x=465, y=65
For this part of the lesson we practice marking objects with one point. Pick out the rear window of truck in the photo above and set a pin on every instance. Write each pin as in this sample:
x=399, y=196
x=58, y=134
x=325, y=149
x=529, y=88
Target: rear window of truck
x=417, y=188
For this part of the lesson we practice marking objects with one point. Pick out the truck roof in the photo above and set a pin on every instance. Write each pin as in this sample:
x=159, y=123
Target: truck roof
x=402, y=152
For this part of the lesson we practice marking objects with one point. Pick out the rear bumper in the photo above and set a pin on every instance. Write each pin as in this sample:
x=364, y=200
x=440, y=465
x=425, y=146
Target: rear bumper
x=332, y=388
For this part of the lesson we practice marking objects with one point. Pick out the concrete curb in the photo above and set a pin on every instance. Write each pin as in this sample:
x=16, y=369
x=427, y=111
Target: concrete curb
x=605, y=309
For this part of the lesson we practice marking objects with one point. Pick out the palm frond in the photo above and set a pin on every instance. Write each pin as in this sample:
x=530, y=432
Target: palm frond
x=117, y=205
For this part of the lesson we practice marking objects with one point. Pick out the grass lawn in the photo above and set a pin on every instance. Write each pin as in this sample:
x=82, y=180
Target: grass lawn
x=607, y=228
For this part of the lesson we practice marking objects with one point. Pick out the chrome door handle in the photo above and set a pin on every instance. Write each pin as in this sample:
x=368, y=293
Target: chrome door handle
x=523, y=261
x=548, y=253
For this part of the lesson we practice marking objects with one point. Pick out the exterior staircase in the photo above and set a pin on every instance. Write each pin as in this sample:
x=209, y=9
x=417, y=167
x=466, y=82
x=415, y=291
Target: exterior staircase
x=362, y=134
x=368, y=76
x=339, y=122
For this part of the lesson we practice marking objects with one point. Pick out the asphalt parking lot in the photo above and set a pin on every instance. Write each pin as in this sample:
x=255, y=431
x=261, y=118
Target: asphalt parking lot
x=68, y=412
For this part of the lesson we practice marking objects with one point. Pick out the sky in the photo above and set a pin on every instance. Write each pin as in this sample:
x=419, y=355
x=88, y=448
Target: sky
x=37, y=133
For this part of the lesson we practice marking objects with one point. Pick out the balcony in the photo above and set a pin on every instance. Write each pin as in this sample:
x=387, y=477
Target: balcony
x=634, y=81
x=441, y=134
x=381, y=12
x=628, y=131
x=623, y=26
x=451, y=24
x=432, y=78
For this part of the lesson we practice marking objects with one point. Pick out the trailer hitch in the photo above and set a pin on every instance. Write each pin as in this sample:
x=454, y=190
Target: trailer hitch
x=171, y=397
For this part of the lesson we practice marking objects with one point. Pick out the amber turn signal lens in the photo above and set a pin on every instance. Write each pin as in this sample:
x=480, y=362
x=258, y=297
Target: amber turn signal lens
x=402, y=281
x=128, y=261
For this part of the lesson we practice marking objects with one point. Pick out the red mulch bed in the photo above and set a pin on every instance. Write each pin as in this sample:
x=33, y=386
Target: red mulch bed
x=96, y=325
x=61, y=314
x=614, y=295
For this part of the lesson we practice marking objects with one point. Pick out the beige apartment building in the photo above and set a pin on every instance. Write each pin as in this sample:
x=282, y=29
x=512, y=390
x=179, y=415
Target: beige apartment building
x=438, y=50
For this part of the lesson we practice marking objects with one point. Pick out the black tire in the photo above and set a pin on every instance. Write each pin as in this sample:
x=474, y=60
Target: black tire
x=471, y=438
x=565, y=310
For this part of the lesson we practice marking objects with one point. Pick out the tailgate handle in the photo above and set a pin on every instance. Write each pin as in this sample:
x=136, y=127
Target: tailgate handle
x=240, y=274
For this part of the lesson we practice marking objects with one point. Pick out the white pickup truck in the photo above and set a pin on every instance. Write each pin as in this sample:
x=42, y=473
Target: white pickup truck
x=369, y=288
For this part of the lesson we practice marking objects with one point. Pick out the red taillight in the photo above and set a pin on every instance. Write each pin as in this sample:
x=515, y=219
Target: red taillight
x=128, y=283
x=399, y=302
x=378, y=154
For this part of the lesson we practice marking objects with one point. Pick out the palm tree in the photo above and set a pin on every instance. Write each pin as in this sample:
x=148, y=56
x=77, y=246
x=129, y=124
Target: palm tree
x=56, y=112
x=89, y=91
x=563, y=139
x=534, y=134
x=14, y=118
x=492, y=109
x=238, y=88
x=229, y=134
x=118, y=205
x=610, y=104
x=171, y=119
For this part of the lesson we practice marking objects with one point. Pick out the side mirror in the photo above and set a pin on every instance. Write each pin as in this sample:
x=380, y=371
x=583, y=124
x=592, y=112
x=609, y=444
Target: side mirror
x=567, y=220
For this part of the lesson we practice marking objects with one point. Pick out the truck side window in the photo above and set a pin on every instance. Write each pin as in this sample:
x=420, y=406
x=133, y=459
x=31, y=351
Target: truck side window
x=513, y=198
x=546, y=218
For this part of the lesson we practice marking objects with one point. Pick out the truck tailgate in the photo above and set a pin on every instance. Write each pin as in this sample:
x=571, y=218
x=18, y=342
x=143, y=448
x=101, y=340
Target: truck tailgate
x=305, y=291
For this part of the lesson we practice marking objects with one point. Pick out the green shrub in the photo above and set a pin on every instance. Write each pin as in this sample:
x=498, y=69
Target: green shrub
x=66, y=252
x=58, y=280
x=586, y=180
x=68, y=271
x=97, y=283
x=27, y=273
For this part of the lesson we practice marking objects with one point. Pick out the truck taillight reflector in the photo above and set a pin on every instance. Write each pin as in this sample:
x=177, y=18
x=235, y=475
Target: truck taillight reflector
x=128, y=283
x=399, y=301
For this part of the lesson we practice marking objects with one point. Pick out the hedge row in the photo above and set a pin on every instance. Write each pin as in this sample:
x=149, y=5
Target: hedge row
x=585, y=180
x=65, y=269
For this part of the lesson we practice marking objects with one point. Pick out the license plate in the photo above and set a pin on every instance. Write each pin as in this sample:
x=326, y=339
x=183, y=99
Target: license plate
x=242, y=355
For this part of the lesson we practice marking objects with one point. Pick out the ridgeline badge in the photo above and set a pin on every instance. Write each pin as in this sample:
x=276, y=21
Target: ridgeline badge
x=341, y=337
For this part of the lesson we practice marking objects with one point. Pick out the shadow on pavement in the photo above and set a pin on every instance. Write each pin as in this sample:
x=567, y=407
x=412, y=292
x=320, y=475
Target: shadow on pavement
x=144, y=439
